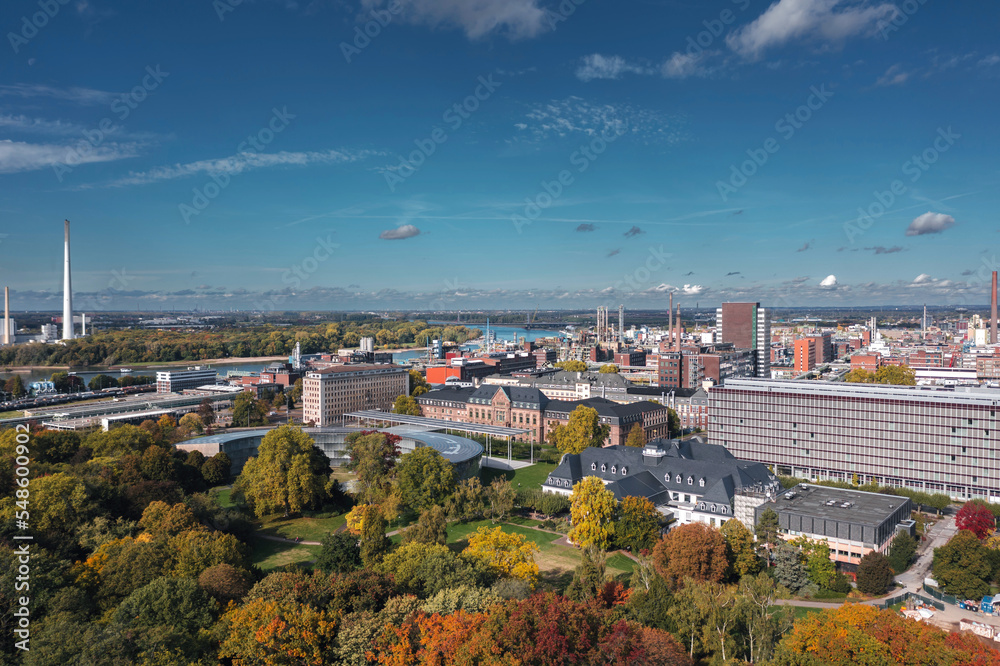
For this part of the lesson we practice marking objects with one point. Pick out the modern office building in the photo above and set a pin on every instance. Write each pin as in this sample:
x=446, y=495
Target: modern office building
x=175, y=381
x=852, y=523
x=331, y=392
x=939, y=440
x=805, y=354
x=747, y=326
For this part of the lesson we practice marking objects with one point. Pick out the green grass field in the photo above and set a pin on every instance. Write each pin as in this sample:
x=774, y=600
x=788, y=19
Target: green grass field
x=11, y=415
x=223, y=495
x=798, y=612
x=528, y=477
x=306, y=528
x=270, y=555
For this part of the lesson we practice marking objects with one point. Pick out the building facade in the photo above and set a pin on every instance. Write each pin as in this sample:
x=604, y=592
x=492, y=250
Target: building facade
x=937, y=440
x=747, y=326
x=175, y=381
x=805, y=354
x=331, y=392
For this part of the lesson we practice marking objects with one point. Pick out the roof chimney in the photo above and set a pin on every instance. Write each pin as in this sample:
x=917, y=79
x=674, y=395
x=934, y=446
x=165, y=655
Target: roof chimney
x=6, y=315
x=67, y=292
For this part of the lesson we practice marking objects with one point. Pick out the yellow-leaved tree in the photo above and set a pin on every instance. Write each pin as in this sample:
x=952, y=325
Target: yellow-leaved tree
x=592, y=511
x=510, y=555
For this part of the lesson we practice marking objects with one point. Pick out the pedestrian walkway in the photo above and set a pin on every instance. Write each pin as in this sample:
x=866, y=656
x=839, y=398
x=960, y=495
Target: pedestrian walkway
x=504, y=464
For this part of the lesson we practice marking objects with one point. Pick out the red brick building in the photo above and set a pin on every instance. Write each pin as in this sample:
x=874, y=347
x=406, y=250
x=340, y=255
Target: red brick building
x=805, y=354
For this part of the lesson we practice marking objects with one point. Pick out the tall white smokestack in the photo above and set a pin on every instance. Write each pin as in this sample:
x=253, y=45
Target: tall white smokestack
x=6, y=315
x=83, y=325
x=67, y=293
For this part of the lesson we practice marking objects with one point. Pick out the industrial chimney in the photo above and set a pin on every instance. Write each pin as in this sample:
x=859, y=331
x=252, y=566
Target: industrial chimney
x=67, y=293
x=6, y=315
x=993, y=312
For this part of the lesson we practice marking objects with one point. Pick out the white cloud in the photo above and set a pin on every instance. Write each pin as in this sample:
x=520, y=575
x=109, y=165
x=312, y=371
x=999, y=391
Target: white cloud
x=930, y=223
x=19, y=156
x=597, y=66
x=240, y=163
x=399, y=233
x=693, y=289
x=923, y=278
x=990, y=60
x=514, y=19
x=37, y=125
x=682, y=65
x=574, y=115
x=829, y=281
x=823, y=21
x=84, y=96
x=893, y=76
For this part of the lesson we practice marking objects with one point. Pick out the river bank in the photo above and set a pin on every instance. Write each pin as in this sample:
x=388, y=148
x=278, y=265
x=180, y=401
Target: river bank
x=147, y=366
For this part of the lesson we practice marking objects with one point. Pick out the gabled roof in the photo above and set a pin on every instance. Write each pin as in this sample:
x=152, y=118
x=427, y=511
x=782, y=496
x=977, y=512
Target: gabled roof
x=605, y=407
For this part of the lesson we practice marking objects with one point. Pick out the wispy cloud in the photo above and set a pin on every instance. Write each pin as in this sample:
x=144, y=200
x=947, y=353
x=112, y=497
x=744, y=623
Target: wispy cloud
x=633, y=232
x=881, y=249
x=683, y=65
x=597, y=66
x=514, y=19
x=586, y=227
x=574, y=116
x=805, y=246
x=400, y=232
x=613, y=252
x=18, y=156
x=821, y=22
x=894, y=76
x=241, y=163
x=76, y=95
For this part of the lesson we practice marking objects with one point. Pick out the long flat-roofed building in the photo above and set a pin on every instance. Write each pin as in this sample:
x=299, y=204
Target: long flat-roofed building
x=938, y=440
x=175, y=381
x=331, y=392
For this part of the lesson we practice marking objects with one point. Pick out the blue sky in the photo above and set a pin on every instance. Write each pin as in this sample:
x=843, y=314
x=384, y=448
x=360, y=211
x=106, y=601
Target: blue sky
x=498, y=153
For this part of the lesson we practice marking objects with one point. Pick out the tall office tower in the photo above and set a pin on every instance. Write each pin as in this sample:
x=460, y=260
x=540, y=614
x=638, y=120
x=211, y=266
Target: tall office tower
x=621, y=323
x=993, y=312
x=747, y=326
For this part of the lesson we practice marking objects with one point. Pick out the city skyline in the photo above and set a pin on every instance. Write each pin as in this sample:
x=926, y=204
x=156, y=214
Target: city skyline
x=272, y=155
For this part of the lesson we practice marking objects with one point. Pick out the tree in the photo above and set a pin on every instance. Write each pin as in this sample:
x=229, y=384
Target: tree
x=638, y=524
x=901, y=552
x=431, y=527
x=468, y=502
x=374, y=543
x=636, y=436
x=406, y=405
x=976, y=518
x=268, y=631
x=15, y=386
x=609, y=369
x=190, y=423
x=424, y=478
x=740, y=551
x=900, y=375
x=592, y=512
x=373, y=459
x=874, y=574
x=768, y=531
x=418, y=385
x=963, y=566
x=860, y=376
x=66, y=383
x=762, y=626
x=500, y=496
x=589, y=576
x=583, y=430
x=216, y=469
x=101, y=382
x=225, y=583
x=572, y=366
x=296, y=393
x=673, y=422
x=167, y=614
x=508, y=555
x=248, y=410
x=281, y=477
x=819, y=566
x=340, y=553
x=206, y=411
x=788, y=568
x=694, y=551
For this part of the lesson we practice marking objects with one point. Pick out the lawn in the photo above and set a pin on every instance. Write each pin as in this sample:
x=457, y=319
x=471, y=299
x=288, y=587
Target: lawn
x=526, y=477
x=304, y=527
x=273, y=554
x=11, y=415
x=223, y=496
x=798, y=612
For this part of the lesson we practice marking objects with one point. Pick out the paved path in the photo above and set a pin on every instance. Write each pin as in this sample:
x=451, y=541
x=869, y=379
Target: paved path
x=503, y=463
x=284, y=540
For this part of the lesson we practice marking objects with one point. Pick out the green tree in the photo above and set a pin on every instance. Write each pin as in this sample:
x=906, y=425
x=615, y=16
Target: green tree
x=583, y=430
x=101, y=382
x=431, y=527
x=572, y=366
x=589, y=576
x=468, y=502
x=248, y=410
x=901, y=552
x=768, y=531
x=740, y=552
x=406, y=405
x=592, y=512
x=874, y=574
x=500, y=497
x=418, y=385
x=216, y=469
x=166, y=617
x=820, y=567
x=638, y=524
x=374, y=543
x=963, y=566
x=899, y=375
x=788, y=568
x=66, y=383
x=609, y=369
x=636, y=436
x=424, y=478
x=763, y=627
x=296, y=392
x=207, y=412
x=340, y=553
x=373, y=459
x=281, y=477
x=15, y=386
x=860, y=376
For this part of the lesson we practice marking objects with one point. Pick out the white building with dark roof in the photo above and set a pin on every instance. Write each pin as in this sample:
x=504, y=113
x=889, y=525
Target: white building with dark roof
x=690, y=480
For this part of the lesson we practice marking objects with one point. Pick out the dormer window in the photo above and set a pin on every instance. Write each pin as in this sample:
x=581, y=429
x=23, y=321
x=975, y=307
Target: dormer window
x=678, y=478
x=701, y=482
x=604, y=468
x=614, y=469
x=701, y=506
x=713, y=508
x=725, y=509
x=690, y=480
x=624, y=471
x=593, y=465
